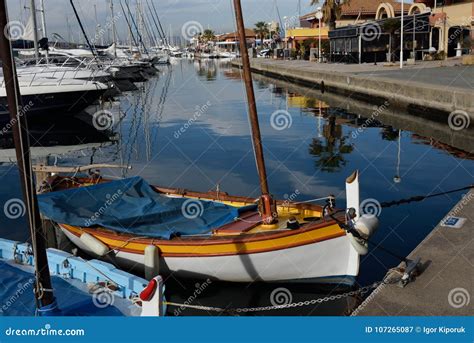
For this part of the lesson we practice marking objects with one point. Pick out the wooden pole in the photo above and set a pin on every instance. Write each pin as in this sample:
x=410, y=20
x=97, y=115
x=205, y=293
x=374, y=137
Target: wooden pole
x=252, y=108
x=43, y=289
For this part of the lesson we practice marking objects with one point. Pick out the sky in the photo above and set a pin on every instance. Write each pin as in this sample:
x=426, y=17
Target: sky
x=183, y=16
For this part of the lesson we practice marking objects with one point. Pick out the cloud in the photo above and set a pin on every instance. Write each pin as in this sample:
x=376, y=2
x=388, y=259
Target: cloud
x=215, y=14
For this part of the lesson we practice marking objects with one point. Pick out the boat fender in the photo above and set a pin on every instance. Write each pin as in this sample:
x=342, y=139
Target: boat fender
x=363, y=229
x=151, y=261
x=292, y=224
x=359, y=244
x=94, y=245
x=366, y=226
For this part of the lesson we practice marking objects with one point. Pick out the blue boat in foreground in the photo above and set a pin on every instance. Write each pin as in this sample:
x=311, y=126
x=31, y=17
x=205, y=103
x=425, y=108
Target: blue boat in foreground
x=81, y=287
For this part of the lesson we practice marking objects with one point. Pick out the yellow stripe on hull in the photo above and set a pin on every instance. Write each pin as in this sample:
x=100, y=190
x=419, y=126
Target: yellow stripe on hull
x=211, y=247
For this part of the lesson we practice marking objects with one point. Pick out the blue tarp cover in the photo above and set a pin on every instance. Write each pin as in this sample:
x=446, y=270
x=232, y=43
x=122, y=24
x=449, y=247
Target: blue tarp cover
x=17, y=297
x=132, y=206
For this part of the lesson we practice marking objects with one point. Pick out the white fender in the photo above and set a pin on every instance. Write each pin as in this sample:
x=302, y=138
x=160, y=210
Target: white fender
x=152, y=298
x=151, y=261
x=94, y=245
x=352, y=193
x=367, y=225
x=361, y=246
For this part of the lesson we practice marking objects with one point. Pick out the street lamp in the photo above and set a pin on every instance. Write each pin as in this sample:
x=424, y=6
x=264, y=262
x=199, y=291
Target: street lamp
x=285, y=28
x=319, y=16
x=401, y=35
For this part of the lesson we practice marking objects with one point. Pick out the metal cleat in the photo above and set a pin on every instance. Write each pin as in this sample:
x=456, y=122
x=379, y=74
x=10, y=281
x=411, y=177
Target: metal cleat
x=411, y=271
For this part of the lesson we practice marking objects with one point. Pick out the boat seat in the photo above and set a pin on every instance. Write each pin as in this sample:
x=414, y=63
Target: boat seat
x=247, y=221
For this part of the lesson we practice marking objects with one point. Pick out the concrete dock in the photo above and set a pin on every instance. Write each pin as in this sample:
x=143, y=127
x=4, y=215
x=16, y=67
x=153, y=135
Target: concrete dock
x=436, y=87
x=446, y=285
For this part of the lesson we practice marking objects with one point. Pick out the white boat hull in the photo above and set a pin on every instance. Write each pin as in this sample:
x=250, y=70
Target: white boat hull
x=330, y=261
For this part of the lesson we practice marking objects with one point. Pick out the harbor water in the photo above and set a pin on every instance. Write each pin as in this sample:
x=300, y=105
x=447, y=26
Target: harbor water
x=188, y=128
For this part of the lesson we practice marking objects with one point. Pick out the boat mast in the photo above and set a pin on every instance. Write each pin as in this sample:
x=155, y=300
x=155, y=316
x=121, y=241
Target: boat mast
x=114, y=28
x=92, y=48
x=43, y=290
x=43, y=26
x=35, y=29
x=165, y=41
x=268, y=214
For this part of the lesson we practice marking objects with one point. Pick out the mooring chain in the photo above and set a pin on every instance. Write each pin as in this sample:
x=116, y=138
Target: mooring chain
x=362, y=290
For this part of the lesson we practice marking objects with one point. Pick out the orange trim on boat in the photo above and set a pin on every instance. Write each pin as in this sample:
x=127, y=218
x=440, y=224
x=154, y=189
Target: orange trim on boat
x=216, y=246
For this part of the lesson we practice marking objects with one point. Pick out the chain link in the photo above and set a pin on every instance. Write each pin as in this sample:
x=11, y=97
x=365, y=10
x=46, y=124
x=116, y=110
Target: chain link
x=362, y=290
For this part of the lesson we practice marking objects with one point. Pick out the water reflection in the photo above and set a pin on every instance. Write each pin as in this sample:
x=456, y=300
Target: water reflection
x=314, y=156
x=331, y=149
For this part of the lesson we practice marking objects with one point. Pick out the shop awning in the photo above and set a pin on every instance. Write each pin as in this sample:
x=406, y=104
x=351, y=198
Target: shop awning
x=307, y=33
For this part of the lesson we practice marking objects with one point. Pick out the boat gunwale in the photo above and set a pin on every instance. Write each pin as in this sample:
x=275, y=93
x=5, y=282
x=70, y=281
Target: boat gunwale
x=73, y=230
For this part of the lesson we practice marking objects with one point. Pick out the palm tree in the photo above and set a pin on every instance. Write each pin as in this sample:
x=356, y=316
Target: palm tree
x=208, y=35
x=331, y=150
x=261, y=30
x=332, y=11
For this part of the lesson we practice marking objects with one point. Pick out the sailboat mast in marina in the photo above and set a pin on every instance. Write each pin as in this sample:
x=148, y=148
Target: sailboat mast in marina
x=267, y=204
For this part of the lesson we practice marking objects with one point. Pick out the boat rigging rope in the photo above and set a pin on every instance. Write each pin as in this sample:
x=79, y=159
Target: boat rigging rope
x=422, y=197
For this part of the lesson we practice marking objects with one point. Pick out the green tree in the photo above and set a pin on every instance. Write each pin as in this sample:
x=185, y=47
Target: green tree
x=332, y=11
x=208, y=35
x=261, y=29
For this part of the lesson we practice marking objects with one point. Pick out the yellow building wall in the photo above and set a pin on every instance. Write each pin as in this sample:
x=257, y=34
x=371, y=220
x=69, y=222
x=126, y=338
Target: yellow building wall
x=457, y=15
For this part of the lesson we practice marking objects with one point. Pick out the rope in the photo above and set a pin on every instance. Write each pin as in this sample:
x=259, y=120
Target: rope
x=422, y=197
x=313, y=200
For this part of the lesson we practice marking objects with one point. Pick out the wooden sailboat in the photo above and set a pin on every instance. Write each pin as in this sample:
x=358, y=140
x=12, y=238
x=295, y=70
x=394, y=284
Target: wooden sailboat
x=262, y=240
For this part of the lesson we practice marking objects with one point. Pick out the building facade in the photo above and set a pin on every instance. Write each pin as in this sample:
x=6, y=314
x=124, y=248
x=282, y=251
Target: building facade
x=451, y=21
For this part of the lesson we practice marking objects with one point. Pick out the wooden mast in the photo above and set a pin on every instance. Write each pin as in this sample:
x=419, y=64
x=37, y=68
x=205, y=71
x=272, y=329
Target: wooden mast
x=43, y=289
x=269, y=215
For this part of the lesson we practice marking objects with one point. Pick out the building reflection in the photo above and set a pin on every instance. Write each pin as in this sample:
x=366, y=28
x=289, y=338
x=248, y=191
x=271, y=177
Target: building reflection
x=206, y=69
x=442, y=146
